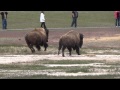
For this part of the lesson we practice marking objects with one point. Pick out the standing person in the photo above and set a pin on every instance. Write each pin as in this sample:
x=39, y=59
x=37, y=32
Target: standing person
x=117, y=18
x=4, y=19
x=74, y=18
x=42, y=20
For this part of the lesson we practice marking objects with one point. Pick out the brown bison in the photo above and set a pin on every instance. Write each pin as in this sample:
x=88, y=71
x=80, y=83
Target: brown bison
x=37, y=37
x=71, y=40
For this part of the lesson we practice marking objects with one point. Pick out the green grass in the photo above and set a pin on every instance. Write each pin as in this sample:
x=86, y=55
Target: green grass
x=77, y=69
x=59, y=19
x=39, y=64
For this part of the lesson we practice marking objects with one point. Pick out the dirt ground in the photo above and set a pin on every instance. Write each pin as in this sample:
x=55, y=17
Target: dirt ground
x=16, y=37
x=108, y=37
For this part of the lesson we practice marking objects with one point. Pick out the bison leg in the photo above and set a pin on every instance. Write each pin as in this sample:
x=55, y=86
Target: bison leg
x=77, y=50
x=38, y=47
x=45, y=45
x=63, y=48
x=58, y=52
x=30, y=45
x=32, y=49
x=59, y=48
x=70, y=49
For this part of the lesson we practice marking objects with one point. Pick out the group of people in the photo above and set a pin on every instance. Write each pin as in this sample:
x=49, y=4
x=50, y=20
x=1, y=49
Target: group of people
x=74, y=19
x=42, y=19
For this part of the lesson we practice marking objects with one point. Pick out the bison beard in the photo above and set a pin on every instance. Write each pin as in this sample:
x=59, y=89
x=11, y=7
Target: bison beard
x=71, y=40
x=37, y=38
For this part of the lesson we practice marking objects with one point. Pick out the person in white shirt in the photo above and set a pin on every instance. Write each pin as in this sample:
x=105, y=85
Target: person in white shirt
x=42, y=20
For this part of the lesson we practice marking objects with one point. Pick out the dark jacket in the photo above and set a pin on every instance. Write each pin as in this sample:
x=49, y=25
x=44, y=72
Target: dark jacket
x=75, y=14
x=2, y=14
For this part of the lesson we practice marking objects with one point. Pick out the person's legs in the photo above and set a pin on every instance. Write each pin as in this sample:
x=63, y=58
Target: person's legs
x=2, y=24
x=42, y=24
x=5, y=24
x=119, y=22
x=75, y=22
x=116, y=23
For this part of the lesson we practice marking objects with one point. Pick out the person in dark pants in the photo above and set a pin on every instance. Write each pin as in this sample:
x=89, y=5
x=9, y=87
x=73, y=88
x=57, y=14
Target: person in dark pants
x=42, y=19
x=4, y=19
x=117, y=18
x=74, y=18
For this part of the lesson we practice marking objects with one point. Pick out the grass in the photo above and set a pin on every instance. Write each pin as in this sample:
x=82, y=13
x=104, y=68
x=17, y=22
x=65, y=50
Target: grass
x=30, y=70
x=77, y=69
x=59, y=19
x=39, y=64
x=24, y=50
x=19, y=49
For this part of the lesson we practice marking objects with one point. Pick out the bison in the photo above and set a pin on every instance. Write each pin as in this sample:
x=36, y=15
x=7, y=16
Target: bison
x=37, y=37
x=71, y=40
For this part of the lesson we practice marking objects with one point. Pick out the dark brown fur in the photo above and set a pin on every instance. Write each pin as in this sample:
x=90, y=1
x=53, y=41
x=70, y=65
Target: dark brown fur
x=71, y=40
x=37, y=38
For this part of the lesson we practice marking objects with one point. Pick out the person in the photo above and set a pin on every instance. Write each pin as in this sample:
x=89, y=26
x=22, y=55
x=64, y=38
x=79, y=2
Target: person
x=4, y=19
x=117, y=18
x=74, y=18
x=42, y=19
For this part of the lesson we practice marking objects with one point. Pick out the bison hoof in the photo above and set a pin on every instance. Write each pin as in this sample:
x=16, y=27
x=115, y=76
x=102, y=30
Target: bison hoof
x=39, y=49
x=33, y=51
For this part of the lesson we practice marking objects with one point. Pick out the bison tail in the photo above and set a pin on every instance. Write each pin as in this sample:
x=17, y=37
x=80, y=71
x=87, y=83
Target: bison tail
x=47, y=33
x=81, y=40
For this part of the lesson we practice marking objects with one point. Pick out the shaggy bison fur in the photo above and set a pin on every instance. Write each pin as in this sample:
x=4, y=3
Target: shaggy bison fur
x=37, y=37
x=71, y=40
